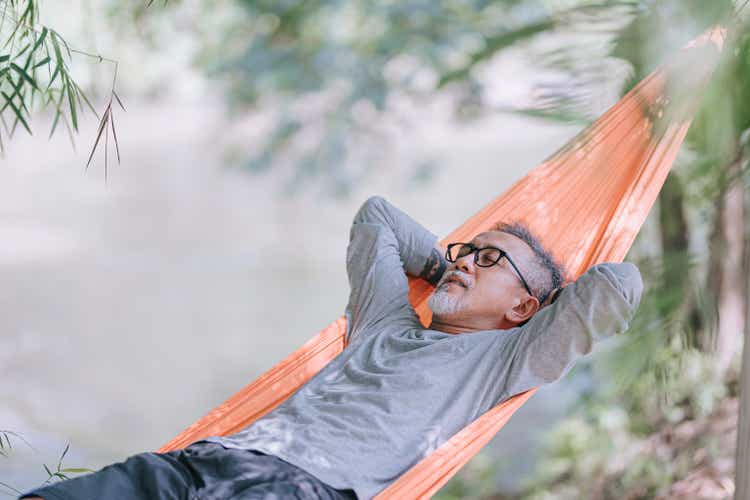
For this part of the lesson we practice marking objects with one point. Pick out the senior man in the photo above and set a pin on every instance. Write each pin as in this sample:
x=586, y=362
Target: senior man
x=398, y=390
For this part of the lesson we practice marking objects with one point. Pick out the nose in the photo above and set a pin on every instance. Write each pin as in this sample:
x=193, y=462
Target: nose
x=466, y=263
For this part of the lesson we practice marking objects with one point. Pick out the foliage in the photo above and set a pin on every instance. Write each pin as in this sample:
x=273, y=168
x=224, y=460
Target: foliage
x=59, y=473
x=661, y=377
x=340, y=74
x=35, y=73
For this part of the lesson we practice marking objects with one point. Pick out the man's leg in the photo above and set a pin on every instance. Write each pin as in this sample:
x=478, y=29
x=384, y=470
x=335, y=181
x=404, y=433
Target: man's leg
x=250, y=475
x=145, y=476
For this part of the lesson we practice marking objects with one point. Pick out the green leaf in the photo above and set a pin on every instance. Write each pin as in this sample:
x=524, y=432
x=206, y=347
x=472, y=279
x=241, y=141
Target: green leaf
x=21, y=52
x=58, y=113
x=54, y=124
x=58, y=52
x=4, y=58
x=44, y=61
x=40, y=40
x=29, y=58
x=114, y=134
x=18, y=113
x=29, y=12
x=6, y=485
x=76, y=470
x=118, y=100
x=56, y=35
x=18, y=69
x=12, y=36
x=102, y=124
x=54, y=76
x=81, y=94
x=65, y=451
x=71, y=101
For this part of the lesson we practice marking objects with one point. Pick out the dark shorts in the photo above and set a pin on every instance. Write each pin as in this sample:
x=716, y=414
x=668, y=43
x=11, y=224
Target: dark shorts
x=205, y=471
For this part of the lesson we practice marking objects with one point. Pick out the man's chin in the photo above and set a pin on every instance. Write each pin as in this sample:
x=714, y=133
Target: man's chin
x=443, y=303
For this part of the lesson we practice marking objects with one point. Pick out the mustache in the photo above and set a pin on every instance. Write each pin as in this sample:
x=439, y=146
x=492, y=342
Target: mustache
x=463, y=277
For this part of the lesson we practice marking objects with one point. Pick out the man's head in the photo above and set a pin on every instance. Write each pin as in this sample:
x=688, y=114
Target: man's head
x=472, y=297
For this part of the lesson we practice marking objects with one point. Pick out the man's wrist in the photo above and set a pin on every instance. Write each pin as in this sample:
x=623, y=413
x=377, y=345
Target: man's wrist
x=434, y=266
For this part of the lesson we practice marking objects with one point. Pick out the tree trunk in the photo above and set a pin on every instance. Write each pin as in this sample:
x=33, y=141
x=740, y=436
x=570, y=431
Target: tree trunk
x=674, y=235
x=742, y=462
x=731, y=305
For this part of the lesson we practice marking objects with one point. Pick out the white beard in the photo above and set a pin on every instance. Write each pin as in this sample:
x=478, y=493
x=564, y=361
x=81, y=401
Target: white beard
x=443, y=303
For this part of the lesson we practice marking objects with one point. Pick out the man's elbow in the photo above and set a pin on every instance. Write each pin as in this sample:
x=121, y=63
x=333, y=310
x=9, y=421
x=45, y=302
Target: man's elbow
x=374, y=209
x=626, y=278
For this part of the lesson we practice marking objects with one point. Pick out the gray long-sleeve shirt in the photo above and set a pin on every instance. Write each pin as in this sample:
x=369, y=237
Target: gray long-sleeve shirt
x=398, y=390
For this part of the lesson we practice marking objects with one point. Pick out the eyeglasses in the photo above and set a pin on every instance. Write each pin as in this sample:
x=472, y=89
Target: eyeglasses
x=483, y=257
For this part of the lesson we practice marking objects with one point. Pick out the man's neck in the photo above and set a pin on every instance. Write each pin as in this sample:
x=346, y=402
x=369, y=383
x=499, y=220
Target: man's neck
x=446, y=325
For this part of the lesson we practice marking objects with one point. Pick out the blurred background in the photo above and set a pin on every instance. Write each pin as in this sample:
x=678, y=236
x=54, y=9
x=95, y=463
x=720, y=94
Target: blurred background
x=138, y=294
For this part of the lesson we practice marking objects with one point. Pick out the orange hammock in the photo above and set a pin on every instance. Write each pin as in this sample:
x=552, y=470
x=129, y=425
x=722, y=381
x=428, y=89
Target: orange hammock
x=588, y=202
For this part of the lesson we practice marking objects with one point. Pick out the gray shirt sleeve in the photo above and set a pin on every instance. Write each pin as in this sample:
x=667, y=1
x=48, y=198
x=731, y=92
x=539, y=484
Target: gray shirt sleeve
x=597, y=305
x=384, y=243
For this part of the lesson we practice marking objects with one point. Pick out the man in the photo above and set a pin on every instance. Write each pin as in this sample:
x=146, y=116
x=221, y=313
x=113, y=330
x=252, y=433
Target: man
x=398, y=390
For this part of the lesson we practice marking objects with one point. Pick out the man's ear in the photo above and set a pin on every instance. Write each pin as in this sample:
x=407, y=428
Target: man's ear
x=523, y=311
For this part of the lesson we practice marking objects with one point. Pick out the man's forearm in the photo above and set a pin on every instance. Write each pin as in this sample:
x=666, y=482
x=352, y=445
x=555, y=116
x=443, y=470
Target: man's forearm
x=418, y=248
x=435, y=266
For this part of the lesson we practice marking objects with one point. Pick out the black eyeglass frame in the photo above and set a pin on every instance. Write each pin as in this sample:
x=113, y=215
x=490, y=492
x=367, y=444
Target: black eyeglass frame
x=475, y=250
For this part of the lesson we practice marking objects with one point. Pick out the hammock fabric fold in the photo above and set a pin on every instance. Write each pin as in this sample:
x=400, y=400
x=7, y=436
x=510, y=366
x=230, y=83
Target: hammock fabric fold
x=587, y=202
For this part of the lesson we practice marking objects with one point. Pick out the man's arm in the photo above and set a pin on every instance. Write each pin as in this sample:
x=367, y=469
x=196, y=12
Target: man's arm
x=435, y=265
x=384, y=244
x=597, y=305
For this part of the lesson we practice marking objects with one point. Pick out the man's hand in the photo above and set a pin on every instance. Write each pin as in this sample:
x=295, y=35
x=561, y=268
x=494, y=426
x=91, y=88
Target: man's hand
x=553, y=295
x=435, y=266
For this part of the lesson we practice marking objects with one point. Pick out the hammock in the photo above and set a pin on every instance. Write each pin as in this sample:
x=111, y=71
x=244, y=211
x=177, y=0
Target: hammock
x=587, y=202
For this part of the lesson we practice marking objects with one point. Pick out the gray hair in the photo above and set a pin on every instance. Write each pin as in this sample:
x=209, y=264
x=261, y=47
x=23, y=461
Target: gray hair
x=547, y=274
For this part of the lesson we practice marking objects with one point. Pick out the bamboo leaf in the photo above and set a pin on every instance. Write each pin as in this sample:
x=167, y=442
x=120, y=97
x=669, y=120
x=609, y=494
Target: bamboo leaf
x=105, y=118
x=21, y=52
x=58, y=113
x=5, y=124
x=65, y=44
x=12, y=36
x=65, y=451
x=71, y=101
x=18, y=113
x=54, y=76
x=29, y=58
x=70, y=132
x=76, y=470
x=54, y=124
x=44, y=61
x=6, y=485
x=40, y=40
x=56, y=47
x=85, y=99
x=18, y=69
x=4, y=58
x=29, y=12
x=118, y=100
x=114, y=134
x=22, y=99
x=106, y=150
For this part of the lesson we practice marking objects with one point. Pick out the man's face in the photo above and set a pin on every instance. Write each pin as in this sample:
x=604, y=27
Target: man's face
x=484, y=296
